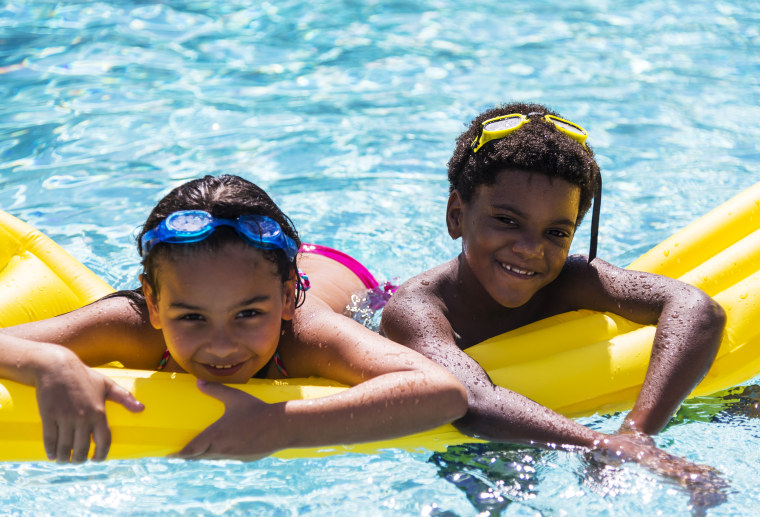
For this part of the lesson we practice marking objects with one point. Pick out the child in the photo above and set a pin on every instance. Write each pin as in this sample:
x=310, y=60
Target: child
x=223, y=299
x=521, y=180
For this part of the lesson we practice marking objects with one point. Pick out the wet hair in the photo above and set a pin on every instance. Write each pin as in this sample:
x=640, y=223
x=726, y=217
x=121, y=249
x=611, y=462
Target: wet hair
x=225, y=196
x=537, y=146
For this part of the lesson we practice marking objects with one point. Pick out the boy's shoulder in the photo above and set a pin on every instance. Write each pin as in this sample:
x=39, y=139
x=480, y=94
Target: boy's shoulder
x=427, y=285
x=420, y=298
x=419, y=303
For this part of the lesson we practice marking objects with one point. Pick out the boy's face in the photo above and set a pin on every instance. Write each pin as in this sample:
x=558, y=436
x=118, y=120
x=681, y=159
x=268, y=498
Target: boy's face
x=516, y=233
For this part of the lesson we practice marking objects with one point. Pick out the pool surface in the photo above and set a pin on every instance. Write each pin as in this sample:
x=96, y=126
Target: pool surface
x=346, y=113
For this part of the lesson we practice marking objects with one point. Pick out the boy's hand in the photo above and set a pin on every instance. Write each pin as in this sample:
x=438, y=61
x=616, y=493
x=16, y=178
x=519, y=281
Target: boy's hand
x=705, y=485
x=71, y=399
x=246, y=431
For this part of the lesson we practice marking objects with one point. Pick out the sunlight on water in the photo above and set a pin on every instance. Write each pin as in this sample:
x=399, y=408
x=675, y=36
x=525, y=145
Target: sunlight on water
x=347, y=112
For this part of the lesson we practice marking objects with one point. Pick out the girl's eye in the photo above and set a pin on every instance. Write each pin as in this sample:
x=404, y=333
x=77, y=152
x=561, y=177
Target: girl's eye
x=191, y=317
x=248, y=313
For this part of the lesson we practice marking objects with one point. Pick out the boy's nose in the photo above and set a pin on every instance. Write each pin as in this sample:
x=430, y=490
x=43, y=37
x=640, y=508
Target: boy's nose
x=528, y=246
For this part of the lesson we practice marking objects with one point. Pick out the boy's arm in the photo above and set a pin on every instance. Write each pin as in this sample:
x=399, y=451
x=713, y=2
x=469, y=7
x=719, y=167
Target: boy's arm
x=494, y=413
x=689, y=329
x=498, y=414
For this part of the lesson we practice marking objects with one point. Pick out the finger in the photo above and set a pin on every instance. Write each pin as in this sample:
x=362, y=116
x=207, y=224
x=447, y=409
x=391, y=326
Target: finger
x=65, y=441
x=196, y=448
x=218, y=391
x=81, y=444
x=50, y=438
x=101, y=435
x=122, y=396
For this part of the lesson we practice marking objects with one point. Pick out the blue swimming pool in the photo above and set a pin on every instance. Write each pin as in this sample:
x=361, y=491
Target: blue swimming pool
x=346, y=112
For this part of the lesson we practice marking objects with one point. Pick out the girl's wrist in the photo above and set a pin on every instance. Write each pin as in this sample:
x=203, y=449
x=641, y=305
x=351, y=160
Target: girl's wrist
x=50, y=359
x=290, y=426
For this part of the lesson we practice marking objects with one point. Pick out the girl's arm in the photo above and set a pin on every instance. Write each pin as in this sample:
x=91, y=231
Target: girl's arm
x=689, y=329
x=395, y=392
x=71, y=397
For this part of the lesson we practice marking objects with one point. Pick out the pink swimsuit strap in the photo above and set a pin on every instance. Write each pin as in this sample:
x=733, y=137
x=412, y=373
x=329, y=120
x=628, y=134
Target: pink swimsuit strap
x=351, y=263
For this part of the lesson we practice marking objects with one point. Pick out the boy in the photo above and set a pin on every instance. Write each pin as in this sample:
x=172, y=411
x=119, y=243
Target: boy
x=521, y=180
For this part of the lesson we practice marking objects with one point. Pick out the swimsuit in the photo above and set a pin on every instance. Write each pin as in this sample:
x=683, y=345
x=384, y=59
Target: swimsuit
x=378, y=295
x=351, y=263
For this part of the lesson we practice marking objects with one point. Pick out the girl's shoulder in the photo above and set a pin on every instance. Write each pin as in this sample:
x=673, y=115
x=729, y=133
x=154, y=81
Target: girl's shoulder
x=114, y=328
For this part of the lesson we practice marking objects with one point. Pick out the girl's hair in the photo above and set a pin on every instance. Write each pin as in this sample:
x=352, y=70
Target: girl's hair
x=535, y=147
x=225, y=196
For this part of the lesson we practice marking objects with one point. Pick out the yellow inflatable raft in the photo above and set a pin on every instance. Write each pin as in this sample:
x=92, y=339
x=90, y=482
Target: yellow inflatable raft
x=576, y=363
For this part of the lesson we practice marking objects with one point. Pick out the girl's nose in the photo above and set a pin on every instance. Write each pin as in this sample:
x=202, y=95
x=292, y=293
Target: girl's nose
x=222, y=344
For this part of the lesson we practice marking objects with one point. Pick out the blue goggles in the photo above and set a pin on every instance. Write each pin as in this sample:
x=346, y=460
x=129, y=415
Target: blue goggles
x=195, y=225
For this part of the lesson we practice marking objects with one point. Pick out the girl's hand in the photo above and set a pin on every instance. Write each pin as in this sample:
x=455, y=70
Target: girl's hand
x=71, y=399
x=248, y=430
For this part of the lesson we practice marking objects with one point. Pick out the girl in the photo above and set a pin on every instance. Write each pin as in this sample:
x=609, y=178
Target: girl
x=222, y=298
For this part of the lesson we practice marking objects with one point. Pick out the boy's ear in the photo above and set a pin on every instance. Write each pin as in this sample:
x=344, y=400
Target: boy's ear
x=289, y=297
x=152, y=301
x=454, y=210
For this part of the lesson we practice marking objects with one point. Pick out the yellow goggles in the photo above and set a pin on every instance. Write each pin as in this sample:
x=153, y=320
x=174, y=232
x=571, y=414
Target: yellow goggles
x=499, y=127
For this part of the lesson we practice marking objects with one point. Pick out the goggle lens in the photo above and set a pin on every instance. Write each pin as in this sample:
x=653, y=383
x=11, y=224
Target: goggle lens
x=188, y=222
x=567, y=126
x=266, y=228
x=506, y=123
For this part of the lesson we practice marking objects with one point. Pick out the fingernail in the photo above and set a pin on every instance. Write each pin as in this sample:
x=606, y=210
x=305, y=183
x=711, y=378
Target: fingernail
x=202, y=382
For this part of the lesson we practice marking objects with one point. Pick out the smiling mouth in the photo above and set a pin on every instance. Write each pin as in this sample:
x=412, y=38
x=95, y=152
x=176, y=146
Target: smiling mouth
x=517, y=271
x=223, y=370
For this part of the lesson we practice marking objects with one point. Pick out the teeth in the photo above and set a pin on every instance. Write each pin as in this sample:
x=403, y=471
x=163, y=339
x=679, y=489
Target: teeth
x=221, y=366
x=517, y=270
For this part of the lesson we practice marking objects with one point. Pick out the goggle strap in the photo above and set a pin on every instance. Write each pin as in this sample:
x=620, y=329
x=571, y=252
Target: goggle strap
x=595, y=213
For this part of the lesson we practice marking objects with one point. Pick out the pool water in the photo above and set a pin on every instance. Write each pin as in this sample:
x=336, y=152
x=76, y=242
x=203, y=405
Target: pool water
x=346, y=112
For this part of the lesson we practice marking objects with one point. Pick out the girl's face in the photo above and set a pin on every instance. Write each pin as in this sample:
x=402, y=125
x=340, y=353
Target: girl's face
x=221, y=312
x=516, y=233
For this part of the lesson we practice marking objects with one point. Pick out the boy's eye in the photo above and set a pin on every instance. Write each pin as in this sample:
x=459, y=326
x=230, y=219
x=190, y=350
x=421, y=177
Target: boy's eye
x=505, y=219
x=559, y=233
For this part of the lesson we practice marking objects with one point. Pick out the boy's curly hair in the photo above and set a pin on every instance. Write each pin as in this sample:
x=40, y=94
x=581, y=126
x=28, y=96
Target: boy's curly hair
x=537, y=146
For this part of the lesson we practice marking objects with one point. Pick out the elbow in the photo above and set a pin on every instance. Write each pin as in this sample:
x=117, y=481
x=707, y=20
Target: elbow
x=717, y=323
x=708, y=325
x=455, y=400
x=479, y=422
x=478, y=425
x=451, y=395
x=712, y=318
x=469, y=424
